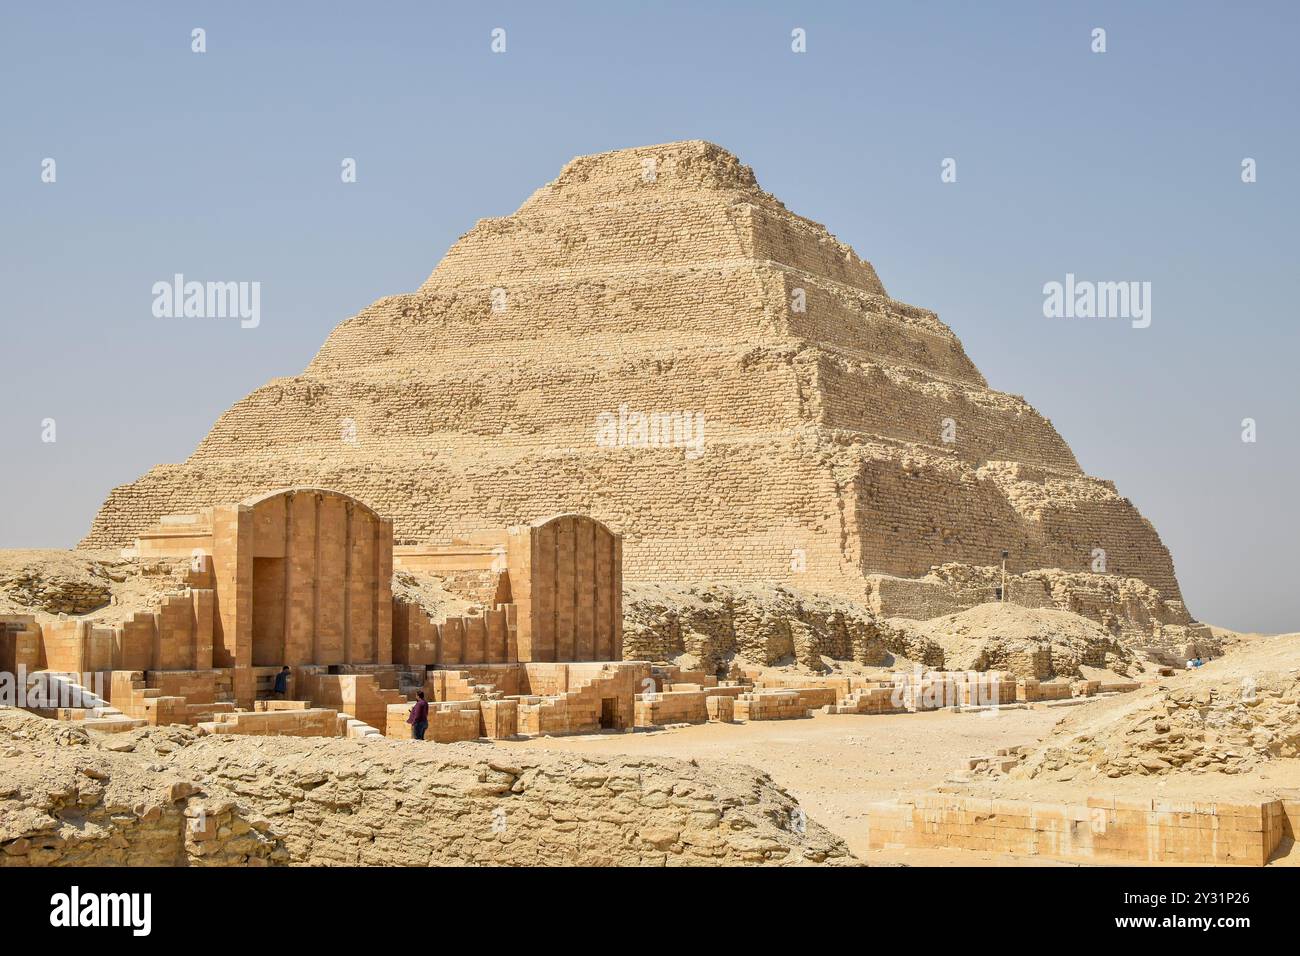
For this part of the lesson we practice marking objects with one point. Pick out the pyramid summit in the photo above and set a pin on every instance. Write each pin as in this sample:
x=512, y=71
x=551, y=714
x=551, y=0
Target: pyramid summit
x=655, y=341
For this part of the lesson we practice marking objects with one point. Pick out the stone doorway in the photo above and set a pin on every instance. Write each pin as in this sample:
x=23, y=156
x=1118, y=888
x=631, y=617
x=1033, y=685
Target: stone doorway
x=268, y=612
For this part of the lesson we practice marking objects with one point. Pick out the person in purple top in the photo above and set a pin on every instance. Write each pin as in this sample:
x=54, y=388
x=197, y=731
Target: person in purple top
x=419, y=717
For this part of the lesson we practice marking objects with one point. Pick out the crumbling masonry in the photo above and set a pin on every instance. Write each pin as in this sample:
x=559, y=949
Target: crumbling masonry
x=810, y=429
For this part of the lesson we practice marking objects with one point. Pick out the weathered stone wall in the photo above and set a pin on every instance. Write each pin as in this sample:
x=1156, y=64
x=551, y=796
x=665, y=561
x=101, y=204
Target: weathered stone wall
x=304, y=722
x=719, y=624
x=228, y=800
x=1098, y=830
x=448, y=722
x=475, y=401
x=673, y=707
x=54, y=590
x=178, y=635
x=770, y=705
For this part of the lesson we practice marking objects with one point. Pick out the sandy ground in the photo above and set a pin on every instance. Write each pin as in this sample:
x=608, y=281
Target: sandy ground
x=836, y=765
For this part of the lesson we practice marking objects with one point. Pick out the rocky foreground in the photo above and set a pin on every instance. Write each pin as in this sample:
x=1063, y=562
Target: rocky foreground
x=166, y=796
x=1239, y=714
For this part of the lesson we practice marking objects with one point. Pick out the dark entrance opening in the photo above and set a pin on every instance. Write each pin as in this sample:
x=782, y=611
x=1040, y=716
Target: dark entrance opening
x=609, y=713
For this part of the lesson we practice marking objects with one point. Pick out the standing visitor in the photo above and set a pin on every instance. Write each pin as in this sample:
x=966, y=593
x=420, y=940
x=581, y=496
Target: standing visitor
x=419, y=717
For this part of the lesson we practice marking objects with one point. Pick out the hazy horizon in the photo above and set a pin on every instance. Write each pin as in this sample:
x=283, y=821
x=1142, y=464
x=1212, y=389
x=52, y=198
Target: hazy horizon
x=1110, y=167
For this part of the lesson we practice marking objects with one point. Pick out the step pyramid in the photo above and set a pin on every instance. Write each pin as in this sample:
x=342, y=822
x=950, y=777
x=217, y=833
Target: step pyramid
x=654, y=340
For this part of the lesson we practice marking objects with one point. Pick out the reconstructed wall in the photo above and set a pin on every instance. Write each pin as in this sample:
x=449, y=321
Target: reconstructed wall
x=690, y=293
x=357, y=694
x=177, y=636
x=1102, y=830
x=672, y=707
x=487, y=639
x=318, y=570
x=556, y=595
x=171, y=697
x=566, y=577
x=581, y=698
x=870, y=700
x=297, y=576
x=686, y=704
x=448, y=722
x=20, y=643
x=770, y=705
x=299, y=722
x=933, y=690
x=527, y=698
x=1028, y=689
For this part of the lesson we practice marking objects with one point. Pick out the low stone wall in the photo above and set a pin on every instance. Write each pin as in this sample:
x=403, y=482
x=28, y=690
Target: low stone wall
x=666, y=675
x=841, y=685
x=814, y=698
x=197, y=687
x=672, y=707
x=146, y=697
x=360, y=695
x=449, y=685
x=770, y=705
x=579, y=710
x=1029, y=689
x=449, y=721
x=935, y=690
x=1100, y=830
x=499, y=718
x=1117, y=686
x=295, y=722
x=721, y=709
x=682, y=706
x=879, y=699
x=703, y=678
x=921, y=690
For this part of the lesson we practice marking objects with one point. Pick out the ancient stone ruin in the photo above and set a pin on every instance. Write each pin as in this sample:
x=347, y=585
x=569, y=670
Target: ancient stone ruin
x=652, y=451
x=653, y=340
x=302, y=578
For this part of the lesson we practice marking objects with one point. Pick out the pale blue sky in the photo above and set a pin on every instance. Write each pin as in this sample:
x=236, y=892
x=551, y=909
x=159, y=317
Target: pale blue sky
x=1123, y=165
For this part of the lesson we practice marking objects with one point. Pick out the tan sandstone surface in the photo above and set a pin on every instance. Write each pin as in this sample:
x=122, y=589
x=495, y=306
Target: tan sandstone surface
x=165, y=797
x=1217, y=748
x=654, y=340
x=1030, y=642
x=715, y=626
x=1232, y=724
x=806, y=480
x=836, y=765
